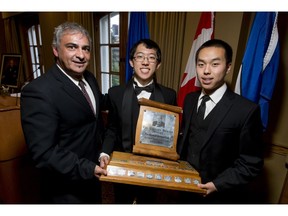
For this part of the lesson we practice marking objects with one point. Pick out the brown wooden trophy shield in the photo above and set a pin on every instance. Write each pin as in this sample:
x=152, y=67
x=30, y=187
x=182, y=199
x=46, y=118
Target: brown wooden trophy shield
x=154, y=161
x=157, y=130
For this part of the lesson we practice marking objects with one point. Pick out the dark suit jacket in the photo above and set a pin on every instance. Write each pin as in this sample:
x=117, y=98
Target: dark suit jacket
x=123, y=114
x=232, y=153
x=61, y=131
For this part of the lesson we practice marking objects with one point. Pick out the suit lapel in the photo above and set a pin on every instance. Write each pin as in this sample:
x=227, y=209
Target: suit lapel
x=157, y=94
x=128, y=114
x=187, y=120
x=71, y=89
x=188, y=116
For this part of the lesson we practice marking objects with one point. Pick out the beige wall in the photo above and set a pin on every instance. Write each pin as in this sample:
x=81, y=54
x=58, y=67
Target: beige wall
x=279, y=106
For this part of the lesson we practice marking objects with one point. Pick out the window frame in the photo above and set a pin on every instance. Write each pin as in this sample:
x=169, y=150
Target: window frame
x=37, y=66
x=25, y=22
x=123, y=29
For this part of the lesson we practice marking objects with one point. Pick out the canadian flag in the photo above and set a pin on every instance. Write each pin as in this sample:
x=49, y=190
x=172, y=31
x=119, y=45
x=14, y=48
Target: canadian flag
x=204, y=32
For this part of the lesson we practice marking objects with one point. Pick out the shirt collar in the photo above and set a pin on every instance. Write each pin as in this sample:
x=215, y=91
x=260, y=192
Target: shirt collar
x=216, y=95
x=75, y=81
x=139, y=84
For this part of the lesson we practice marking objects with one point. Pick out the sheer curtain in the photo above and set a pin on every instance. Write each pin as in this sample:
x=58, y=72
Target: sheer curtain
x=168, y=30
x=11, y=36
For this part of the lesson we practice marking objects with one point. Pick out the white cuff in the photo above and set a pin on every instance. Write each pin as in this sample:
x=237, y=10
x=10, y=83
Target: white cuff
x=102, y=155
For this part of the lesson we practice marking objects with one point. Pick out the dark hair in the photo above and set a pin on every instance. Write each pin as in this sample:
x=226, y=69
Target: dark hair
x=149, y=44
x=217, y=43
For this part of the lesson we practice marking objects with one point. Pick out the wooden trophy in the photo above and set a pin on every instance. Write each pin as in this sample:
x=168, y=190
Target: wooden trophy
x=154, y=161
x=157, y=130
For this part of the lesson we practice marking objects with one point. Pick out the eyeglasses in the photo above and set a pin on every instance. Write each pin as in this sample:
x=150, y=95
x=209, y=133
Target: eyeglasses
x=140, y=58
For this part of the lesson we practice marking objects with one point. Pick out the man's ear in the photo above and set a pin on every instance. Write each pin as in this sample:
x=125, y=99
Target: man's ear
x=228, y=68
x=55, y=51
x=131, y=63
x=158, y=66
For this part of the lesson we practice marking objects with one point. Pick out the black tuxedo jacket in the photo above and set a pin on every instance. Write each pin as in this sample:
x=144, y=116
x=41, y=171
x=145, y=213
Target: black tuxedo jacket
x=123, y=114
x=61, y=130
x=232, y=153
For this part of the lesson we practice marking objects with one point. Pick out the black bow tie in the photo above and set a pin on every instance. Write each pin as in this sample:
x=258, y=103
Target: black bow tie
x=148, y=88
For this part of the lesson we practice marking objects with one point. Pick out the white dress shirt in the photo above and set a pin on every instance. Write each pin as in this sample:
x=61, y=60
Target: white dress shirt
x=87, y=87
x=215, y=97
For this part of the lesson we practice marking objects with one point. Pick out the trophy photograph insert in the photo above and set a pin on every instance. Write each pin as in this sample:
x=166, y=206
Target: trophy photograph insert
x=157, y=129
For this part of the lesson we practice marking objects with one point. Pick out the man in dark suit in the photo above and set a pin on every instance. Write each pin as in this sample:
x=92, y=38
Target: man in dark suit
x=145, y=59
x=226, y=145
x=63, y=130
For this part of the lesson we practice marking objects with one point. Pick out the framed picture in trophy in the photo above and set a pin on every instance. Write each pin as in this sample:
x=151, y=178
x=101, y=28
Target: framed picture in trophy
x=157, y=130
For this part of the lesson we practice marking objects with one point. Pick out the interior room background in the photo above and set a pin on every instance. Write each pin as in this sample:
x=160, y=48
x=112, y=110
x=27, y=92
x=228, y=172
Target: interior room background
x=174, y=32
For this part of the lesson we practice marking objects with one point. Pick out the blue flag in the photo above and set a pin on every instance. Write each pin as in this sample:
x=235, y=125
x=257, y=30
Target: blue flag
x=259, y=69
x=138, y=29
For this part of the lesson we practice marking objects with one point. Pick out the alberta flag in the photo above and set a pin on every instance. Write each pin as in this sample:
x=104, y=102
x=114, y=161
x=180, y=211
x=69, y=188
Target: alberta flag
x=204, y=33
x=138, y=29
x=258, y=72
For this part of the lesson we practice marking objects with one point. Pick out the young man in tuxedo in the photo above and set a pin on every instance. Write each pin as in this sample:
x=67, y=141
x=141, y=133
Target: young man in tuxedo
x=63, y=127
x=225, y=145
x=145, y=59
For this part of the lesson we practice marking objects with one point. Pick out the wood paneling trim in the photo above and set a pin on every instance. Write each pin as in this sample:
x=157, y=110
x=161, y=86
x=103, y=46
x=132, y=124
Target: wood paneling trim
x=278, y=150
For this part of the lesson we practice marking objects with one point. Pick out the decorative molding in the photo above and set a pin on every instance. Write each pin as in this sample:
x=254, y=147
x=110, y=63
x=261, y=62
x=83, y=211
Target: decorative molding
x=278, y=149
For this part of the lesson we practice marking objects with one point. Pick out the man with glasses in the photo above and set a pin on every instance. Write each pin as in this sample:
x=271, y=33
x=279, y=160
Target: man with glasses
x=145, y=59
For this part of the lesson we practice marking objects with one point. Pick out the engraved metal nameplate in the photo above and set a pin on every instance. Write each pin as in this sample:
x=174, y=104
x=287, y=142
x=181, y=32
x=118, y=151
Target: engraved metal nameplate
x=134, y=169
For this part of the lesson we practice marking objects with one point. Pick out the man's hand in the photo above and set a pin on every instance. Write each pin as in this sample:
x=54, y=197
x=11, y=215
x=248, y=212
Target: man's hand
x=209, y=186
x=104, y=160
x=98, y=171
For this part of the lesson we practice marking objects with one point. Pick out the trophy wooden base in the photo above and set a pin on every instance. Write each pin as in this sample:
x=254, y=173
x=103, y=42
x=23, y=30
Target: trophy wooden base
x=139, y=170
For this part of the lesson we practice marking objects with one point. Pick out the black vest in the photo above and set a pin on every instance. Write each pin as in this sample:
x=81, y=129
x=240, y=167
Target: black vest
x=197, y=132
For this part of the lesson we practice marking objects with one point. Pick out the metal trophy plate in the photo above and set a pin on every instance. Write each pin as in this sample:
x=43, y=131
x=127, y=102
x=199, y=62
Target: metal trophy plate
x=157, y=130
x=139, y=170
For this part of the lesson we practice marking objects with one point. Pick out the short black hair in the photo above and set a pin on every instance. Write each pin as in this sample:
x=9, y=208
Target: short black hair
x=149, y=44
x=217, y=43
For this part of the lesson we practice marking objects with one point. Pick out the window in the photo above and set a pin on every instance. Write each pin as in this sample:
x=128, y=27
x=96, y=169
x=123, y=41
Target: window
x=109, y=50
x=35, y=46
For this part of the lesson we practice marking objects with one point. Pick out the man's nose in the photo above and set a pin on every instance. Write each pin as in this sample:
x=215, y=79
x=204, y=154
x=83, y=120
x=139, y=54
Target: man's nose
x=80, y=53
x=206, y=70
